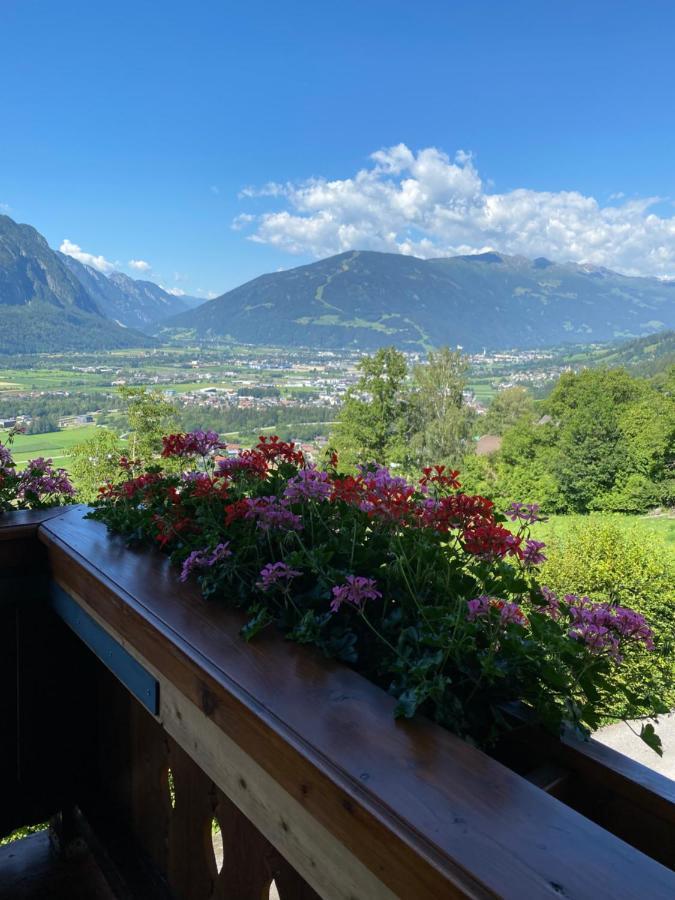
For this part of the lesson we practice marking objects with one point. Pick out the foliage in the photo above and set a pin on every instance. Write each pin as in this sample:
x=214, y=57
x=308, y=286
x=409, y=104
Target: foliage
x=373, y=418
x=590, y=451
x=606, y=443
x=246, y=421
x=38, y=486
x=94, y=461
x=42, y=425
x=440, y=423
x=420, y=586
x=150, y=415
x=390, y=419
x=599, y=555
x=507, y=408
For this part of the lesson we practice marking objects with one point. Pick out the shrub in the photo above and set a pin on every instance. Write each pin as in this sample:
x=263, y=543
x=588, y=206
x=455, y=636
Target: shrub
x=611, y=562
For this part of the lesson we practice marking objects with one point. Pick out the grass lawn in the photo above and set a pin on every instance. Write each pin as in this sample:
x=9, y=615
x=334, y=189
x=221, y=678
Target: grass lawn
x=54, y=444
x=660, y=526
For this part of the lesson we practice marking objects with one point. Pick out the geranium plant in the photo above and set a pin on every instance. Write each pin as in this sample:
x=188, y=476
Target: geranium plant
x=422, y=588
x=37, y=486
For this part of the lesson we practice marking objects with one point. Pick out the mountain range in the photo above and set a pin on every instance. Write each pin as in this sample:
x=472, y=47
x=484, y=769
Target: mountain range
x=51, y=302
x=128, y=301
x=360, y=299
x=366, y=299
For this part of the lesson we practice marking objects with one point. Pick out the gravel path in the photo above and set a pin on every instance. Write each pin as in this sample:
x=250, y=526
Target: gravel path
x=621, y=738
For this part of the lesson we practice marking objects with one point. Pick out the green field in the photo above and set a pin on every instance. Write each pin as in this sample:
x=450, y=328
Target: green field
x=54, y=444
x=662, y=527
x=483, y=389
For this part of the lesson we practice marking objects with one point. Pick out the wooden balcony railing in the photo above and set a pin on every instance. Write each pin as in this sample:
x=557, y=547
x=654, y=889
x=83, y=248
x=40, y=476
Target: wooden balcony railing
x=198, y=766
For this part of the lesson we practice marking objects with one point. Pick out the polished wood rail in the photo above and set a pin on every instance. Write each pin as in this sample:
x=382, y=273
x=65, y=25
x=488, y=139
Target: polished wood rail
x=266, y=762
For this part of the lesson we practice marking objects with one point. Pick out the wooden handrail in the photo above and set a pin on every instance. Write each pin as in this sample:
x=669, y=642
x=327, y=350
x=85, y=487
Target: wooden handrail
x=361, y=805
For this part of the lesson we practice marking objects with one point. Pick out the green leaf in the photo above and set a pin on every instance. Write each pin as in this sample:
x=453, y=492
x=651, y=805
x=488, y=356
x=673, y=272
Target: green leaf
x=407, y=704
x=260, y=620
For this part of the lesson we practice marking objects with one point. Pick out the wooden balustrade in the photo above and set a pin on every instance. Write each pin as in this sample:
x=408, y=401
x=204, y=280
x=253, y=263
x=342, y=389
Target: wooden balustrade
x=259, y=763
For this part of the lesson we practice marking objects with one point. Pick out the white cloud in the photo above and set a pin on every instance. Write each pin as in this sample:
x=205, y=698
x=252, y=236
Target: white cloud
x=96, y=262
x=271, y=189
x=426, y=204
x=175, y=292
x=140, y=265
x=241, y=221
x=5, y=208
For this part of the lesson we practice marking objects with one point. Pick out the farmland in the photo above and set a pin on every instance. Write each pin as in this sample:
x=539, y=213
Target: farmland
x=55, y=444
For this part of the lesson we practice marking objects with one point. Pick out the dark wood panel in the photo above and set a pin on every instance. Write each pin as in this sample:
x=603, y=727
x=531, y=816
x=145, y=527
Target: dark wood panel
x=9, y=718
x=25, y=522
x=430, y=815
x=29, y=870
x=171, y=827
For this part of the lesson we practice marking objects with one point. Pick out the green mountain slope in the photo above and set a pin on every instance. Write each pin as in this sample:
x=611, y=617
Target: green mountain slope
x=366, y=299
x=646, y=356
x=43, y=306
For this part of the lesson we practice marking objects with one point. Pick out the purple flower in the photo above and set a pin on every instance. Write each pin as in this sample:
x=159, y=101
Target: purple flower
x=219, y=553
x=6, y=461
x=478, y=607
x=308, y=484
x=245, y=462
x=355, y=591
x=195, y=560
x=40, y=479
x=602, y=627
x=203, y=559
x=270, y=512
x=551, y=605
x=630, y=624
x=532, y=555
x=509, y=613
x=528, y=513
x=273, y=573
x=191, y=477
x=382, y=485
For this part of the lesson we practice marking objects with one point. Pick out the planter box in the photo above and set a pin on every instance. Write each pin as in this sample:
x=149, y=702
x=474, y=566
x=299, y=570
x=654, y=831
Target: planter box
x=312, y=780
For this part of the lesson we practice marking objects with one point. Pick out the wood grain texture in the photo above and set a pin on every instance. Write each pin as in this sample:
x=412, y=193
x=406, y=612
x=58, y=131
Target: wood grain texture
x=22, y=523
x=427, y=814
x=270, y=833
x=172, y=826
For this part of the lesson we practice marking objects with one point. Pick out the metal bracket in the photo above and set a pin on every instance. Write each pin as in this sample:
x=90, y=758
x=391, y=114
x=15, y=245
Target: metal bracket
x=121, y=663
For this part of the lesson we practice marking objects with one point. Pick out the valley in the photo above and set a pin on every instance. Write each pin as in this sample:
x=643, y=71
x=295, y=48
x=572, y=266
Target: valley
x=243, y=390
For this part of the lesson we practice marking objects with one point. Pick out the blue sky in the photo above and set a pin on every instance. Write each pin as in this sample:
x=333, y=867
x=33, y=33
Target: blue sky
x=132, y=129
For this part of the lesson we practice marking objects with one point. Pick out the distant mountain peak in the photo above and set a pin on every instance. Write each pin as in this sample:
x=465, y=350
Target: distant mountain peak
x=43, y=305
x=489, y=256
x=135, y=303
x=368, y=299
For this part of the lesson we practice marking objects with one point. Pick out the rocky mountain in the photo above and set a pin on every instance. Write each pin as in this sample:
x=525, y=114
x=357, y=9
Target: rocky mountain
x=128, y=301
x=367, y=299
x=43, y=306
